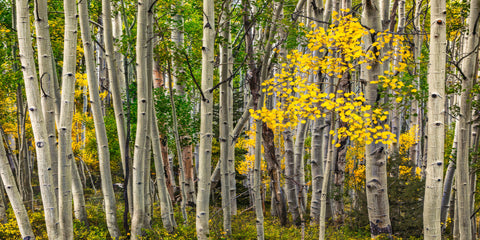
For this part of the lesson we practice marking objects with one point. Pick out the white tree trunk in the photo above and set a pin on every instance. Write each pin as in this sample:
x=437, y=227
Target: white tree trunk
x=114, y=80
x=376, y=158
x=223, y=120
x=206, y=117
x=436, y=119
x=47, y=78
x=464, y=123
x=32, y=91
x=14, y=195
x=299, y=149
x=142, y=122
x=100, y=130
x=67, y=107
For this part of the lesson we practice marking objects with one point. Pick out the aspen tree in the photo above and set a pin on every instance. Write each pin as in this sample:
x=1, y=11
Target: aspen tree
x=206, y=118
x=47, y=74
x=114, y=80
x=142, y=121
x=376, y=158
x=66, y=160
x=436, y=120
x=469, y=73
x=42, y=145
x=100, y=130
x=223, y=121
x=166, y=207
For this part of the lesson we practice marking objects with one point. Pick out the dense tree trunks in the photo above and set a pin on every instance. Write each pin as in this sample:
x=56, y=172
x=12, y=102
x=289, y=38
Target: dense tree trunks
x=8, y=181
x=436, y=119
x=79, y=208
x=376, y=164
x=224, y=137
x=114, y=80
x=100, y=130
x=469, y=75
x=24, y=179
x=166, y=206
x=178, y=147
x=206, y=118
x=47, y=75
x=415, y=110
x=37, y=118
x=142, y=121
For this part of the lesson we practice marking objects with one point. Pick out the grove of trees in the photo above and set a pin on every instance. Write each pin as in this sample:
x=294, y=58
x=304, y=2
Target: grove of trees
x=266, y=119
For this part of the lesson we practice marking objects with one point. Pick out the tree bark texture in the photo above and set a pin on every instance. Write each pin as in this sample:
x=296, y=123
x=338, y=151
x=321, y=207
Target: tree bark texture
x=42, y=145
x=100, y=129
x=206, y=118
x=376, y=157
x=436, y=121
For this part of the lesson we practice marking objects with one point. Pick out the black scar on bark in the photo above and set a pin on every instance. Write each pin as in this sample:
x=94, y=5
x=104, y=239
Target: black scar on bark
x=375, y=230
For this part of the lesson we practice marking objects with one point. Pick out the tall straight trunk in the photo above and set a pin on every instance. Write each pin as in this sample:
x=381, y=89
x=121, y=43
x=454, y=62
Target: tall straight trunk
x=179, y=150
x=299, y=149
x=47, y=75
x=470, y=55
x=223, y=121
x=42, y=144
x=231, y=144
x=317, y=168
x=317, y=154
x=415, y=110
x=290, y=175
x=142, y=121
x=206, y=117
x=376, y=158
x=67, y=107
x=14, y=195
x=166, y=206
x=149, y=84
x=114, y=80
x=326, y=173
x=257, y=176
x=436, y=119
x=100, y=130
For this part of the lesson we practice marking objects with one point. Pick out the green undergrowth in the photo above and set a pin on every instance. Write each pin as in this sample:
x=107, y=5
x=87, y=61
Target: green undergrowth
x=243, y=226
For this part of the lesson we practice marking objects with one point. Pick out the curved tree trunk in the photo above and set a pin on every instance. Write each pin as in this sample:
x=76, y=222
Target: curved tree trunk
x=14, y=195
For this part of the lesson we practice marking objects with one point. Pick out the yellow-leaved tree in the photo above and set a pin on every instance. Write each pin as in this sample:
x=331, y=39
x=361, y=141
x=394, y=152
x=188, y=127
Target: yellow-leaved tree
x=323, y=82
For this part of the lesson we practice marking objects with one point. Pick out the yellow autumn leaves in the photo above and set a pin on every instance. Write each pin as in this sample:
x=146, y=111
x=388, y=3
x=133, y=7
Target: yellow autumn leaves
x=335, y=53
